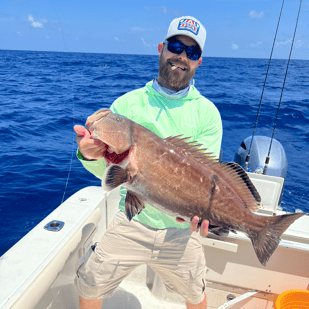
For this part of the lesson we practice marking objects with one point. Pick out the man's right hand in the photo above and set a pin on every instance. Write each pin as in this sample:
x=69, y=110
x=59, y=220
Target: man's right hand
x=90, y=148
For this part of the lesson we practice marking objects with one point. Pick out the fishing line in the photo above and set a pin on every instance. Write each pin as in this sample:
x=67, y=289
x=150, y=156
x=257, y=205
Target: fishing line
x=286, y=73
x=259, y=108
x=73, y=111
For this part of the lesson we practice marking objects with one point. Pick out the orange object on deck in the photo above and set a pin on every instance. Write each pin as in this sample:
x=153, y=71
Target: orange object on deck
x=293, y=299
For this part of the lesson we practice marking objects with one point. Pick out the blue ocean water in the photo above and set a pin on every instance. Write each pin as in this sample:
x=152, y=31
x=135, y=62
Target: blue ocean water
x=43, y=94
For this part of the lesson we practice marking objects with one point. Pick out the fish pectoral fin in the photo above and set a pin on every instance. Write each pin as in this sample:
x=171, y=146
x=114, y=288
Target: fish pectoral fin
x=133, y=205
x=113, y=177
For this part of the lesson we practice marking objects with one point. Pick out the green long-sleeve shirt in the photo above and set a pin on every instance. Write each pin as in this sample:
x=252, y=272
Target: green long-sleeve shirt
x=193, y=116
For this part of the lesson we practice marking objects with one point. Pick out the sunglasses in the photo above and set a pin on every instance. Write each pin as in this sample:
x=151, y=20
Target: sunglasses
x=176, y=47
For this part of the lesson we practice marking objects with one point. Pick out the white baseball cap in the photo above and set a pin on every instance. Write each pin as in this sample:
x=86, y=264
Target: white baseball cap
x=189, y=26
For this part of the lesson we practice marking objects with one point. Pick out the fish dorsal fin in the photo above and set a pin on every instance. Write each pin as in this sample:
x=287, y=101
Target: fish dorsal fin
x=244, y=176
x=232, y=172
x=194, y=149
x=238, y=179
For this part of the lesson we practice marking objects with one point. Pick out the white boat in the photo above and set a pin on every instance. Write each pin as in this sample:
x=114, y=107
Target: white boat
x=38, y=272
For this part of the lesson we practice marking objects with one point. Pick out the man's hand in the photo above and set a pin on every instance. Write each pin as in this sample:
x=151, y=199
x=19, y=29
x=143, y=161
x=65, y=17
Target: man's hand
x=193, y=225
x=204, y=226
x=91, y=149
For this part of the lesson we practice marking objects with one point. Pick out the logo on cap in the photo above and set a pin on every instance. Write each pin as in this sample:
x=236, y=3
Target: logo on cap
x=189, y=25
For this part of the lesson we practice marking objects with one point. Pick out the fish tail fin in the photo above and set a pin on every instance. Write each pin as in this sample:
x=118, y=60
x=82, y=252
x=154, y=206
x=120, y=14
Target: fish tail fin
x=266, y=241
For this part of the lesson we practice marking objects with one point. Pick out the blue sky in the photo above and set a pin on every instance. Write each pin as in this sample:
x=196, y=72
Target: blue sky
x=235, y=28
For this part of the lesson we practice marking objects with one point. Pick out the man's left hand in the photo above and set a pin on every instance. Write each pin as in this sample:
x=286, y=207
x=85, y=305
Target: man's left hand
x=193, y=225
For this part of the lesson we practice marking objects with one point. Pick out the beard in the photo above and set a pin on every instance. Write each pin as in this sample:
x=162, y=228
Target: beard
x=172, y=79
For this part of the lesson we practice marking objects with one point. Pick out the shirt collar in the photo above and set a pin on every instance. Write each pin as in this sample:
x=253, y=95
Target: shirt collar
x=171, y=94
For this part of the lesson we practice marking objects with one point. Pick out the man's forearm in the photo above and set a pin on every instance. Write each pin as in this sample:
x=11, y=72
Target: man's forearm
x=95, y=167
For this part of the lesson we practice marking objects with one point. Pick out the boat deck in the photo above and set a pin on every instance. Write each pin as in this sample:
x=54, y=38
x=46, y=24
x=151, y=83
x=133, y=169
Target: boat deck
x=133, y=293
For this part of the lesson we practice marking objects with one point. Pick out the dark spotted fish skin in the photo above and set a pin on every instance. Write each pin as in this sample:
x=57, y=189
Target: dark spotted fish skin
x=181, y=180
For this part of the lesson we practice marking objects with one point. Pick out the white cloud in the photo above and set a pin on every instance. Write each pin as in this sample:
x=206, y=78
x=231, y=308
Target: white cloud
x=163, y=9
x=116, y=38
x=235, y=46
x=140, y=29
x=178, y=12
x=33, y=23
x=256, y=44
x=254, y=14
x=298, y=43
x=288, y=41
x=47, y=37
x=145, y=44
x=36, y=24
x=19, y=33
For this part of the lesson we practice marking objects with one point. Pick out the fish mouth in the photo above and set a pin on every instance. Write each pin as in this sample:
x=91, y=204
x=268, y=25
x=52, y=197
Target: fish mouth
x=110, y=154
x=112, y=157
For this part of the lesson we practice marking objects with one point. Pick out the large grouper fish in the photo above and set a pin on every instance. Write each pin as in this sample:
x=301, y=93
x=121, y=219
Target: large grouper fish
x=180, y=179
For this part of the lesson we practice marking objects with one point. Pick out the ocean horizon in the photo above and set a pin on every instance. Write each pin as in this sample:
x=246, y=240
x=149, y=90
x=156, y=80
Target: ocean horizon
x=80, y=52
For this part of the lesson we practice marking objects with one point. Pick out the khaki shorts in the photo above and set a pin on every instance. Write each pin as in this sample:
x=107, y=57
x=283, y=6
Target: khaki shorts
x=176, y=255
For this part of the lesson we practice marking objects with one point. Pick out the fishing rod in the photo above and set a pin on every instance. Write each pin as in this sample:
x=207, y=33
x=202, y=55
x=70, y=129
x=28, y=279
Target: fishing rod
x=261, y=99
x=286, y=72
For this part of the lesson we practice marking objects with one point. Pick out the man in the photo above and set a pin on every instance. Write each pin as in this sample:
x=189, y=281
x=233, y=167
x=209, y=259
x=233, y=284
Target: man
x=168, y=106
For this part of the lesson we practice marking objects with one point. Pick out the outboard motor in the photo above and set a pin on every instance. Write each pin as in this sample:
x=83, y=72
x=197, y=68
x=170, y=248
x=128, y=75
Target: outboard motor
x=277, y=165
x=260, y=146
